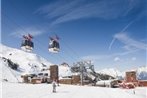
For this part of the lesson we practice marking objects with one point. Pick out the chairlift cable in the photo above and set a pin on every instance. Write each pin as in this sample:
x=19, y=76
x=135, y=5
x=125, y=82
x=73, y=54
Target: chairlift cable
x=27, y=18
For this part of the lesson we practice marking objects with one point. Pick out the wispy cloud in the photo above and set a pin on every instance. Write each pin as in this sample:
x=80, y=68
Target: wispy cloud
x=133, y=58
x=129, y=42
x=123, y=30
x=28, y=30
x=63, y=11
x=108, y=56
x=110, y=46
x=116, y=59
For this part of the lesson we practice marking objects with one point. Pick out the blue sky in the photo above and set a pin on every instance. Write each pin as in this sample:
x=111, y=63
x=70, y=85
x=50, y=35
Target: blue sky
x=110, y=33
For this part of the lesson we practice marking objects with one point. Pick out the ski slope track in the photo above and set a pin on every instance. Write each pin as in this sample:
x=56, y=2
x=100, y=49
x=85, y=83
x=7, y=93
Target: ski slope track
x=11, y=90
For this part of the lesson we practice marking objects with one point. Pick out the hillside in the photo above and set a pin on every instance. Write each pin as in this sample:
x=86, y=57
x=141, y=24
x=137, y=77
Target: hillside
x=27, y=62
x=22, y=58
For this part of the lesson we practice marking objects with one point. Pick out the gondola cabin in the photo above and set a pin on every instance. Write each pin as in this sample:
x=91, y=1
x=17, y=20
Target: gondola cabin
x=27, y=44
x=54, y=46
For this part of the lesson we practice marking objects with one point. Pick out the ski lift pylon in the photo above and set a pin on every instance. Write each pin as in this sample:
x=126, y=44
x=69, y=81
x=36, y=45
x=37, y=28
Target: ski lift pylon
x=27, y=44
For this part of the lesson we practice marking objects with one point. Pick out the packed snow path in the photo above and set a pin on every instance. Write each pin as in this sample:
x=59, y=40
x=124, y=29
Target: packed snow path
x=15, y=90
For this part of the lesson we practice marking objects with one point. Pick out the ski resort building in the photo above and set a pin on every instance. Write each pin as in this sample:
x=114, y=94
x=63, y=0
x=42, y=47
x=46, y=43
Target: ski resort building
x=131, y=76
x=131, y=80
x=54, y=72
x=74, y=79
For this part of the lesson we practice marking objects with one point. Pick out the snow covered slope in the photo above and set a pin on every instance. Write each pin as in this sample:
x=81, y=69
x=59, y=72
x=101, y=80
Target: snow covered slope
x=8, y=74
x=142, y=73
x=112, y=72
x=14, y=90
x=28, y=62
x=64, y=70
x=23, y=59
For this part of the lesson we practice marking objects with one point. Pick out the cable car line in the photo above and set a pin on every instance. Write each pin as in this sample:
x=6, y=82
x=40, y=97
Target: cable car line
x=28, y=49
x=73, y=58
x=75, y=53
x=29, y=20
x=36, y=41
x=52, y=49
x=57, y=45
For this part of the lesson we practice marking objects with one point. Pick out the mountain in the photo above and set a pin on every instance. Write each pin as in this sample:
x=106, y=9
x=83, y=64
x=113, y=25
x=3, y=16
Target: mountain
x=112, y=72
x=141, y=72
x=64, y=70
x=26, y=62
x=22, y=58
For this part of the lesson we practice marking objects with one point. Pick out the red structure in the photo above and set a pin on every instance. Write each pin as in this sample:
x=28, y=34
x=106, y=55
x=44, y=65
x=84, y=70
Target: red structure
x=142, y=83
x=130, y=80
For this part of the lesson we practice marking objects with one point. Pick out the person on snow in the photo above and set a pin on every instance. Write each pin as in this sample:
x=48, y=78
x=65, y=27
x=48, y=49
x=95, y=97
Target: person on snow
x=54, y=86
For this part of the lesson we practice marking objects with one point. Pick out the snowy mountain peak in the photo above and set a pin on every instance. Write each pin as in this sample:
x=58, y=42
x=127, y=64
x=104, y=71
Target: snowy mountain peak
x=141, y=72
x=24, y=59
x=64, y=70
x=112, y=72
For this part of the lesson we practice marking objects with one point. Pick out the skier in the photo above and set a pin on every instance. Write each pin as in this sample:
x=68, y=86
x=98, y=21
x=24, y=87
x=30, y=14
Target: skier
x=54, y=86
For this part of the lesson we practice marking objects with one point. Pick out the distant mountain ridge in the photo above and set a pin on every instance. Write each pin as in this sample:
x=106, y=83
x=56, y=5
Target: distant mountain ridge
x=141, y=72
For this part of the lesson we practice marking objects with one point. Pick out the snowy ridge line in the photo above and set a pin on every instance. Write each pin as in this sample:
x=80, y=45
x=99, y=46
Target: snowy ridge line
x=141, y=72
x=24, y=59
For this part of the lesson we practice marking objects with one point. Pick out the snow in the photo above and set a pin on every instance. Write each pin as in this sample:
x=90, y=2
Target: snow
x=104, y=82
x=8, y=73
x=15, y=90
x=142, y=73
x=64, y=71
x=26, y=62
x=24, y=59
x=112, y=72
